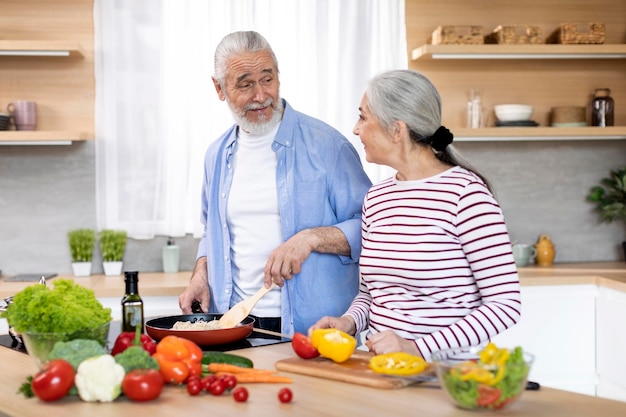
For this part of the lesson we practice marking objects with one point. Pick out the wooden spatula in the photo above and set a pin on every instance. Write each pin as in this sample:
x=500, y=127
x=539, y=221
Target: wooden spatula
x=240, y=311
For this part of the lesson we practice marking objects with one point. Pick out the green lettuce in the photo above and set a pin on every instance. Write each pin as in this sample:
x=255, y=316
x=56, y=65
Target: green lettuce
x=65, y=308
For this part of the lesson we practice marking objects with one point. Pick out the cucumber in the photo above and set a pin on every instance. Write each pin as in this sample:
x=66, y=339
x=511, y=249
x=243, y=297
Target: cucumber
x=221, y=357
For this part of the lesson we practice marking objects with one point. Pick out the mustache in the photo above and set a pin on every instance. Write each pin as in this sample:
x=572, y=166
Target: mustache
x=256, y=106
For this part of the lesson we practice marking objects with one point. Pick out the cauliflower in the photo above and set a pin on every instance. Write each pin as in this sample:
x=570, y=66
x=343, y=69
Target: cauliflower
x=135, y=357
x=99, y=379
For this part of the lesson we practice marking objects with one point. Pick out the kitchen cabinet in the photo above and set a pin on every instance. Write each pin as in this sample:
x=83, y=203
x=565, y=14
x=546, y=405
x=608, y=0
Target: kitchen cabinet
x=527, y=52
x=20, y=51
x=611, y=343
x=558, y=326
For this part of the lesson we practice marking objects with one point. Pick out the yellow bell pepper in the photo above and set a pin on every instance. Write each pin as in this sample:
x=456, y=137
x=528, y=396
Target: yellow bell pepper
x=333, y=344
x=490, y=369
x=398, y=363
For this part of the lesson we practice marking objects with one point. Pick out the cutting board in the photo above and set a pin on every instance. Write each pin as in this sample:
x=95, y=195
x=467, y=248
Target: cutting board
x=355, y=371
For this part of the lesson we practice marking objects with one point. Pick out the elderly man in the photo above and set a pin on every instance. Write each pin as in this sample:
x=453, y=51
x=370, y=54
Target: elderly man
x=281, y=202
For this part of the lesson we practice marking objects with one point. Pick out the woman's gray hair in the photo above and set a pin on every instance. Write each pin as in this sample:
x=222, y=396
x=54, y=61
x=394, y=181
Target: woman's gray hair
x=238, y=43
x=410, y=97
x=407, y=96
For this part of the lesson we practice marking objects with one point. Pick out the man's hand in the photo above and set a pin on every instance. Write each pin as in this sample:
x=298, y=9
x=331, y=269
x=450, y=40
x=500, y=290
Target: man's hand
x=286, y=260
x=198, y=289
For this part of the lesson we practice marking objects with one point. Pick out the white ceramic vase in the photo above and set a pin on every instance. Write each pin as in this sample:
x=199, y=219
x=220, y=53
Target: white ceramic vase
x=112, y=269
x=81, y=269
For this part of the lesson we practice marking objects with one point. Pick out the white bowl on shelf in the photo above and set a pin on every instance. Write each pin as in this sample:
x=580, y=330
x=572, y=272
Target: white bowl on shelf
x=513, y=112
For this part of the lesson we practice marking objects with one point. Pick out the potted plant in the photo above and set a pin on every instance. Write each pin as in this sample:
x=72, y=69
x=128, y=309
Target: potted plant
x=112, y=246
x=82, y=242
x=610, y=198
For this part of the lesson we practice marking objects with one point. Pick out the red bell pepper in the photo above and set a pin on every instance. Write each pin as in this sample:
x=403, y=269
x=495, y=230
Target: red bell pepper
x=128, y=339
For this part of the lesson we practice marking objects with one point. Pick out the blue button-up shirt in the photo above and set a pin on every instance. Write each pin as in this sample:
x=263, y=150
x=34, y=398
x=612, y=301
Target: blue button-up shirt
x=320, y=181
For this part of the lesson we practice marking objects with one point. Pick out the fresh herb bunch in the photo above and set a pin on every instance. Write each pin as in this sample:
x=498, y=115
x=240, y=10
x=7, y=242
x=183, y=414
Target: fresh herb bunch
x=112, y=245
x=610, y=196
x=82, y=242
x=64, y=308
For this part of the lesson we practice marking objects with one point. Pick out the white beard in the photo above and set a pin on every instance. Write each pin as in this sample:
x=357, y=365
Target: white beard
x=261, y=127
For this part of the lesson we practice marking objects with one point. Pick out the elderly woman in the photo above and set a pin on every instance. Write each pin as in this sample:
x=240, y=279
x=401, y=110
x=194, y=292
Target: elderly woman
x=437, y=270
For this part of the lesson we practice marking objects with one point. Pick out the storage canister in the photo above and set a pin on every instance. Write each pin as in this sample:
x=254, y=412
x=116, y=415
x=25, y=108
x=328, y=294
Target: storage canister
x=602, y=108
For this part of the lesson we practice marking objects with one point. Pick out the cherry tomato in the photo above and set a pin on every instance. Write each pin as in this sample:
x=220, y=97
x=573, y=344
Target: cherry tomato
x=487, y=395
x=217, y=387
x=240, y=394
x=142, y=384
x=54, y=380
x=285, y=395
x=229, y=381
x=301, y=344
x=194, y=386
x=207, y=381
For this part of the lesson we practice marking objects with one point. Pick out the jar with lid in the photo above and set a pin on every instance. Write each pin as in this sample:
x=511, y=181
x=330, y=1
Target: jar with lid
x=602, y=108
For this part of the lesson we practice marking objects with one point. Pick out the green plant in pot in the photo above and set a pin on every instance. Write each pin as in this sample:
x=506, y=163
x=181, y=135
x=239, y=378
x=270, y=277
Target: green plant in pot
x=113, y=246
x=82, y=243
x=610, y=198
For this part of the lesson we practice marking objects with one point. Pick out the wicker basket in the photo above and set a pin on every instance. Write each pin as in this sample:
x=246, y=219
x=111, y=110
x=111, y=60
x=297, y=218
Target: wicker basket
x=578, y=33
x=455, y=35
x=568, y=114
x=515, y=34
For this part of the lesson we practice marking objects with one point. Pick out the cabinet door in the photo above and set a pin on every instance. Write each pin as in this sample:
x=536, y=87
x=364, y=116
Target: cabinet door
x=558, y=327
x=611, y=343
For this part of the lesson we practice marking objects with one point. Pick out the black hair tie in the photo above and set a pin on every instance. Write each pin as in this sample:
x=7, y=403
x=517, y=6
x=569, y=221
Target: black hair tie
x=441, y=139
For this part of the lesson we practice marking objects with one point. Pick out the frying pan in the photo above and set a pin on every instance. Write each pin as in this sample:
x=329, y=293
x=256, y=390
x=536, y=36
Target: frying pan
x=160, y=327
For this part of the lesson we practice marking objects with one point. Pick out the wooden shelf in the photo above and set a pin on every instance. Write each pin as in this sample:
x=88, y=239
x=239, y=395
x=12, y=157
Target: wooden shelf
x=542, y=51
x=40, y=137
x=526, y=134
x=39, y=48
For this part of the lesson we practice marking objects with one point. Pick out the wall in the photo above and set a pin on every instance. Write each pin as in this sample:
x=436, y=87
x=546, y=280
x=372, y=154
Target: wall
x=47, y=190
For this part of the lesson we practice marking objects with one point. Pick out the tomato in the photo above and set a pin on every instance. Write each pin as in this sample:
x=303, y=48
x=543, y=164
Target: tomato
x=194, y=386
x=207, y=381
x=142, y=384
x=303, y=347
x=487, y=395
x=217, y=387
x=285, y=395
x=240, y=394
x=54, y=380
x=229, y=381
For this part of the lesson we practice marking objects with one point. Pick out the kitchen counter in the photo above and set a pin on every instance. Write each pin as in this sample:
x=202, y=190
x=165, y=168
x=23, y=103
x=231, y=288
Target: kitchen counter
x=312, y=397
x=608, y=274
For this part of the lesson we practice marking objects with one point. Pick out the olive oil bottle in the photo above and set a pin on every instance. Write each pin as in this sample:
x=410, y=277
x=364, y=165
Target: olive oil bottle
x=132, y=304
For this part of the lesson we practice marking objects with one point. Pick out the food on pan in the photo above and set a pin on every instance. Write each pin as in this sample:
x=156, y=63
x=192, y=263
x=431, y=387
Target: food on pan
x=197, y=325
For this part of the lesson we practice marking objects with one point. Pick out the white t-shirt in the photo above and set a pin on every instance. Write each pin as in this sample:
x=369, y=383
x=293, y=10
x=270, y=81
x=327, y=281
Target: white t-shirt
x=253, y=219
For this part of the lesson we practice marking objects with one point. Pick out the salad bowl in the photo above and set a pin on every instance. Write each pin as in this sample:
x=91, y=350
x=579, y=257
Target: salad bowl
x=483, y=377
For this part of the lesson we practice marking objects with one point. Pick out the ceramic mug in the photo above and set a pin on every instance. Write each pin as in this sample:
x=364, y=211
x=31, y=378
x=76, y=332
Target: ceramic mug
x=522, y=253
x=24, y=114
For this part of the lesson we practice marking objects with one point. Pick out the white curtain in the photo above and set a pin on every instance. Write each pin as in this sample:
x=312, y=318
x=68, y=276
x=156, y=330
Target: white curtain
x=156, y=107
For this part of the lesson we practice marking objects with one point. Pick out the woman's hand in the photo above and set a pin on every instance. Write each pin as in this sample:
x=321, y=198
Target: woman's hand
x=388, y=342
x=345, y=324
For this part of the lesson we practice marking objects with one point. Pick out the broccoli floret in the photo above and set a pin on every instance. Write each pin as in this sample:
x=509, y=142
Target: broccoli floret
x=135, y=357
x=77, y=350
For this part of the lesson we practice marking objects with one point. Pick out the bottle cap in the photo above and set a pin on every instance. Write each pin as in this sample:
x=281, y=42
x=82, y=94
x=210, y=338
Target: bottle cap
x=131, y=275
x=602, y=92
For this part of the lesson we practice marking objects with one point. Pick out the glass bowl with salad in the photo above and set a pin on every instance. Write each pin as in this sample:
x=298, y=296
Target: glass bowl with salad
x=43, y=315
x=483, y=377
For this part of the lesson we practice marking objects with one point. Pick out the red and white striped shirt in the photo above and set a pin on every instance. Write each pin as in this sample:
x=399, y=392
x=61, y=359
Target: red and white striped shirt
x=436, y=263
